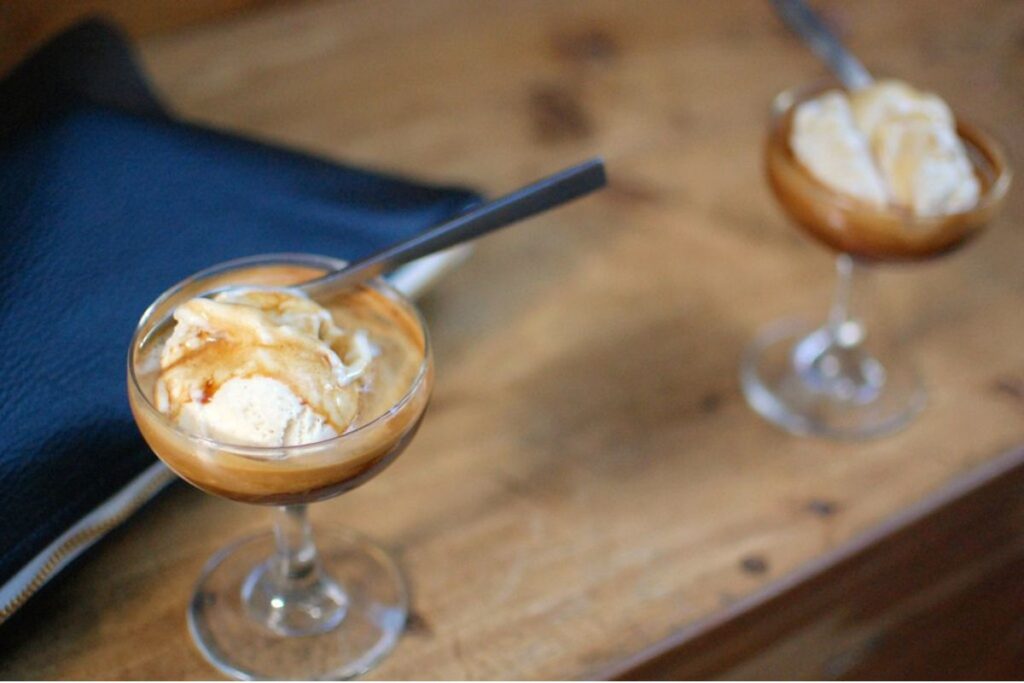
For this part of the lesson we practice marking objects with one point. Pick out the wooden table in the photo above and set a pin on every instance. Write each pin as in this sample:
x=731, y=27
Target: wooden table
x=590, y=495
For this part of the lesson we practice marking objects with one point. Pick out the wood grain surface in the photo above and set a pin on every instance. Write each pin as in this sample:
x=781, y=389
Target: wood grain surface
x=932, y=594
x=589, y=482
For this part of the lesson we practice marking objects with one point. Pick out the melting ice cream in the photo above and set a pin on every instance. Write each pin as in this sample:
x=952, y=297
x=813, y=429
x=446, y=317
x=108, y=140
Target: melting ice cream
x=262, y=367
x=886, y=144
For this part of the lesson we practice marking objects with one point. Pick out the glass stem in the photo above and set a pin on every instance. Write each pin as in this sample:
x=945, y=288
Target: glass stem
x=839, y=313
x=296, y=559
x=832, y=360
x=290, y=593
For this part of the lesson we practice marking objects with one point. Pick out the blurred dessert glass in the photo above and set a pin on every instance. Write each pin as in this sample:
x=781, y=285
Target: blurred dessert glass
x=836, y=379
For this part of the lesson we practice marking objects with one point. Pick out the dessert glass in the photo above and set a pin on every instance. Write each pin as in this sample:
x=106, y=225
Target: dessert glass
x=276, y=604
x=835, y=379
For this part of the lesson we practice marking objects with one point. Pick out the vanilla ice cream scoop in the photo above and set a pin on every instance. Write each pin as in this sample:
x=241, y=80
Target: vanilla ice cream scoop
x=887, y=143
x=262, y=367
x=828, y=143
x=925, y=166
x=888, y=100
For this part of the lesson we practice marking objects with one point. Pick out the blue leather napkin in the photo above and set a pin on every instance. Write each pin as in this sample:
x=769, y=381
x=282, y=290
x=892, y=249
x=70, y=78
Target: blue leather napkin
x=106, y=201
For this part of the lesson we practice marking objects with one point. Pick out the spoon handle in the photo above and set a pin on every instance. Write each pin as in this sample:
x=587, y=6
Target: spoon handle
x=802, y=20
x=540, y=196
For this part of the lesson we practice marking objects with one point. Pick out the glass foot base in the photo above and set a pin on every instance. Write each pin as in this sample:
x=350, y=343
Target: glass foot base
x=776, y=389
x=374, y=598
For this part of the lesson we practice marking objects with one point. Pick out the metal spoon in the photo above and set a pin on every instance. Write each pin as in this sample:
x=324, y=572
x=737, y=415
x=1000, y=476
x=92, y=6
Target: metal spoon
x=802, y=20
x=547, y=193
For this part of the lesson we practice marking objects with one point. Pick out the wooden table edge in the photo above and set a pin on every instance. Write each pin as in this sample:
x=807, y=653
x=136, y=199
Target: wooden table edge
x=650, y=659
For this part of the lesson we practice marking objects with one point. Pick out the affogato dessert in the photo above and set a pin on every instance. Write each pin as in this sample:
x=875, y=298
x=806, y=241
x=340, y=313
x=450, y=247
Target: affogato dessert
x=246, y=393
x=882, y=173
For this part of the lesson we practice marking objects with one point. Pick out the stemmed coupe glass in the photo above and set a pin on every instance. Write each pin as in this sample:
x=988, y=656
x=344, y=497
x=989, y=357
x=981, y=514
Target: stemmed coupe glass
x=836, y=379
x=279, y=604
